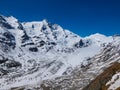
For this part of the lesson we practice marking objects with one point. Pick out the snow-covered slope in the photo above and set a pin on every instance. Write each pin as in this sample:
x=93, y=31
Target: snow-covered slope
x=31, y=52
x=94, y=75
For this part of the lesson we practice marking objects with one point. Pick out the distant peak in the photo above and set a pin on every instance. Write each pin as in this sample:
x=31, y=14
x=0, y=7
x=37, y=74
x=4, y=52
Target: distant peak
x=45, y=21
x=11, y=18
x=97, y=35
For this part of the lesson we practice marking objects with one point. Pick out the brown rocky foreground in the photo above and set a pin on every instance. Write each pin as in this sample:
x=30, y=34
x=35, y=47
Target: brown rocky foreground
x=99, y=83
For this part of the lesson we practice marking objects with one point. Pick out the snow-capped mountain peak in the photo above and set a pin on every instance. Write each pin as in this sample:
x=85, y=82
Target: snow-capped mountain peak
x=10, y=22
x=39, y=50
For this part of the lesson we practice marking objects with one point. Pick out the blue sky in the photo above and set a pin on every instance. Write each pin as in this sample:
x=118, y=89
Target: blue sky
x=83, y=17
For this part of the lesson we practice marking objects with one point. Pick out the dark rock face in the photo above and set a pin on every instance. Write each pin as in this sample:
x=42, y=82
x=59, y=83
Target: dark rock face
x=33, y=49
x=7, y=65
x=80, y=44
x=25, y=37
x=3, y=72
x=2, y=59
x=12, y=63
x=4, y=24
x=2, y=19
x=52, y=43
x=7, y=41
x=42, y=43
x=22, y=88
x=31, y=43
x=20, y=26
x=46, y=87
x=43, y=27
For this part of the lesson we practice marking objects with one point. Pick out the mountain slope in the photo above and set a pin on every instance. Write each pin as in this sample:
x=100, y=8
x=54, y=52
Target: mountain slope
x=31, y=52
x=100, y=82
x=84, y=74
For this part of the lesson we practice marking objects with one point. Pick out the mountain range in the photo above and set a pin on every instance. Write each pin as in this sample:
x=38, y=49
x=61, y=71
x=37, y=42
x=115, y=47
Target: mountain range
x=41, y=55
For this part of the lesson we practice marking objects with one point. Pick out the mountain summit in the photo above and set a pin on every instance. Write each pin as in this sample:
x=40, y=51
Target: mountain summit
x=36, y=54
